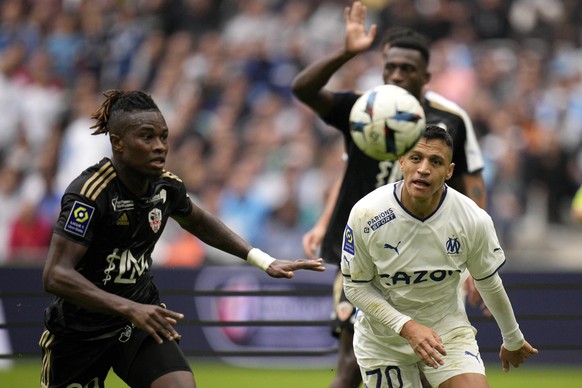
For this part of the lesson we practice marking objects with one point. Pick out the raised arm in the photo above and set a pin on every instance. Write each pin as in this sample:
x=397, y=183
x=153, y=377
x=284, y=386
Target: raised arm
x=313, y=238
x=309, y=84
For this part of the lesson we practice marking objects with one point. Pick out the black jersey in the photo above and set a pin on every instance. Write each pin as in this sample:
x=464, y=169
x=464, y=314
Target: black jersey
x=120, y=231
x=364, y=174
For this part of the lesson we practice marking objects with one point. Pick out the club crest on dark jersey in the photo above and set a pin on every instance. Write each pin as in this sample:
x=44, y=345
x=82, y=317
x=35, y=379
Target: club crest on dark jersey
x=155, y=219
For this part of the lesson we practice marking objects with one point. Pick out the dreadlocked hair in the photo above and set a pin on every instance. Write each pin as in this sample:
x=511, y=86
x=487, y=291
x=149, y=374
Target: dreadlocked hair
x=405, y=37
x=116, y=102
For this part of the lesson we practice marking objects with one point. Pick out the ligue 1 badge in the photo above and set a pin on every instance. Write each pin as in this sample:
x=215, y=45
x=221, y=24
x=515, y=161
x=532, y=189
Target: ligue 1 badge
x=155, y=219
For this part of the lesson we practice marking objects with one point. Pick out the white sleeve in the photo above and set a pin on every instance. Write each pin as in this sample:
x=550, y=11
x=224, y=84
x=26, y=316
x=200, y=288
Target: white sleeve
x=497, y=301
x=365, y=297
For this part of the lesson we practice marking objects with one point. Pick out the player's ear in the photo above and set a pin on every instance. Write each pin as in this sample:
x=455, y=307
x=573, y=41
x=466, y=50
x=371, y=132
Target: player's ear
x=116, y=142
x=450, y=171
x=427, y=77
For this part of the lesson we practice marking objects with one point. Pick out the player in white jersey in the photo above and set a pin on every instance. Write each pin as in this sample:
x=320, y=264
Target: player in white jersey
x=404, y=249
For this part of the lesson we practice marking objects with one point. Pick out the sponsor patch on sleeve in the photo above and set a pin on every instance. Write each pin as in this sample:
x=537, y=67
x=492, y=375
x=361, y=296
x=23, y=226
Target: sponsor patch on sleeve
x=349, y=240
x=79, y=218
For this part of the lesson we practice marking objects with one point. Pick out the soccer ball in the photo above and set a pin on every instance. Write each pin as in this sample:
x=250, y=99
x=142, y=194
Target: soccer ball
x=386, y=122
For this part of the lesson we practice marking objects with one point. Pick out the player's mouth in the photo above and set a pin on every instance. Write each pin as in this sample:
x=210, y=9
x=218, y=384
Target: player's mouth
x=420, y=183
x=158, y=162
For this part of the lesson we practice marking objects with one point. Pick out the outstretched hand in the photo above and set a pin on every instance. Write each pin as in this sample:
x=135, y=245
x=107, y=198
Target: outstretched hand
x=516, y=357
x=285, y=268
x=357, y=40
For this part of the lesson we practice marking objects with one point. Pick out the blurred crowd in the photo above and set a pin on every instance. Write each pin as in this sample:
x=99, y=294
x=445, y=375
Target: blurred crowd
x=220, y=71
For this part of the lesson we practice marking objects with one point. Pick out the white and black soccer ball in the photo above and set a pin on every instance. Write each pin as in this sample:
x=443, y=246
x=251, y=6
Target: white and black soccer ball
x=386, y=122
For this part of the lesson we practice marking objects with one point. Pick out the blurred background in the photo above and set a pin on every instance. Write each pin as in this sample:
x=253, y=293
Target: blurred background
x=220, y=71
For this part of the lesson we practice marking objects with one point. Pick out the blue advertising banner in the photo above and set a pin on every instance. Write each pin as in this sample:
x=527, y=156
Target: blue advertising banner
x=247, y=318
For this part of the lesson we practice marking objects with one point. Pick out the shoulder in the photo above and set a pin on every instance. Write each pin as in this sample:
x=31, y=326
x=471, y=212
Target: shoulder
x=440, y=102
x=440, y=108
x=170, y=177
x=380, y=197
x=94, y=180
x=172, y=185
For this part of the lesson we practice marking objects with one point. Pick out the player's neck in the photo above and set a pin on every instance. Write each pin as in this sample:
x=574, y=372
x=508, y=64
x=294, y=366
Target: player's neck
x=421, y=208
x=137, y=184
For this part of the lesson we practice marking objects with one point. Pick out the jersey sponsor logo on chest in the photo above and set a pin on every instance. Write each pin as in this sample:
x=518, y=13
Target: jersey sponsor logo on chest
x=417, y=277
x=120, y=205
x=381, y=219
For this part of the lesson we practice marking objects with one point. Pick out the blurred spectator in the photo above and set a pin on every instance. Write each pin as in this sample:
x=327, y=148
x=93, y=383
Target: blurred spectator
x=283, y=231
x=221, y=69
x=64, y=44
x=30, y=236
x=11, y=61
x=77, y=146
x=10, y=179
x=240, y=206
x=42, y=101
x=16, y=27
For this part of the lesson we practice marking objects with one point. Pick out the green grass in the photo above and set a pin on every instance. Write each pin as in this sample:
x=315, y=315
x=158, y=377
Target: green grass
x=24, y=374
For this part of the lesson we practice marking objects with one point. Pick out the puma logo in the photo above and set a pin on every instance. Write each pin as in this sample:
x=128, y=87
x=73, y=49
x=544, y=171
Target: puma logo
x=394, y=248
x=468, y=353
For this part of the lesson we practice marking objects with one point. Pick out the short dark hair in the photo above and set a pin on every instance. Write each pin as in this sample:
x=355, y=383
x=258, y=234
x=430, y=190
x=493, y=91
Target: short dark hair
x=436, y=132
x=405, y=37
x=118, y=102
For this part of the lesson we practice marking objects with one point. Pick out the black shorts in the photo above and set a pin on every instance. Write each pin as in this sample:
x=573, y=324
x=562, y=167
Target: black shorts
x=132, y=353
x=343, y=314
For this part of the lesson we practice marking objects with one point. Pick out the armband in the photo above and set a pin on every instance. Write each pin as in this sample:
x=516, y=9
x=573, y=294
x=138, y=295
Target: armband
x=259, y=259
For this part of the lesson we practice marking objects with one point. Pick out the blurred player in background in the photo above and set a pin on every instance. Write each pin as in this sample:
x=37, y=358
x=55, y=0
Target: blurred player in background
x=402, y=273
x=107, y=311
x=576, y=208
x=406, y=57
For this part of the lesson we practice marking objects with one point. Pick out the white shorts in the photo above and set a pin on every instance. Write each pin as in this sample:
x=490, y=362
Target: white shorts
x=462, y=357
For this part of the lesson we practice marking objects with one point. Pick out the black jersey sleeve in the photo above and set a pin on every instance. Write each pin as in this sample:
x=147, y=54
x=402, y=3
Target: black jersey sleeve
x=339, y=116
x=76, y=219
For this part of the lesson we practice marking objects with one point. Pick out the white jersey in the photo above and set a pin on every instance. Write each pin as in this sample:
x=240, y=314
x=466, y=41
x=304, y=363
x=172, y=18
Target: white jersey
x=416, y=264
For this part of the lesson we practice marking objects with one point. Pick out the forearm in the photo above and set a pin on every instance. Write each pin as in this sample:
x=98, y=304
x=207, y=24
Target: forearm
x=474, y=186
x=212, y=231
x=72, y=286
x=497, y=301
x=315, y=76
x=372, y=303
x=325, y=216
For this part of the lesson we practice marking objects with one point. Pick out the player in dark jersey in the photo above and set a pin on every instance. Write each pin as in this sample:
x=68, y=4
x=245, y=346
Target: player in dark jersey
x=406, y=57
x=107, y=312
